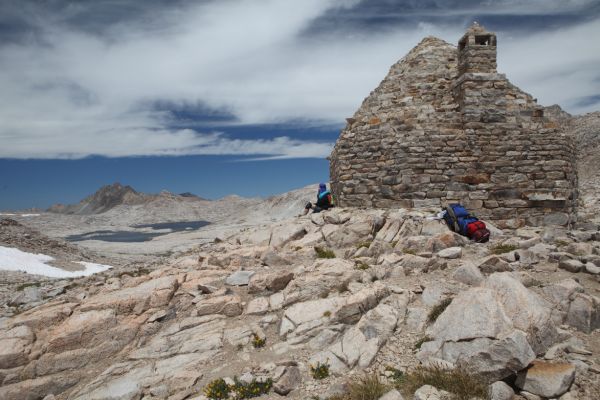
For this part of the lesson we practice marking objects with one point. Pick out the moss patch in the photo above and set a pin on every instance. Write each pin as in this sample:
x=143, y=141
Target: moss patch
x=503, y=248
x=438, y=309
x=323, y=252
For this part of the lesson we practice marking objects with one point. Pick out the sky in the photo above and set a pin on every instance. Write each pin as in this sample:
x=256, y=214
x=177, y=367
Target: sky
x=242, y=97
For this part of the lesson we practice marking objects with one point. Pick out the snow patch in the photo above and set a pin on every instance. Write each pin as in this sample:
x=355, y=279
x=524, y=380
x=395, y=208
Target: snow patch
x=12, y=259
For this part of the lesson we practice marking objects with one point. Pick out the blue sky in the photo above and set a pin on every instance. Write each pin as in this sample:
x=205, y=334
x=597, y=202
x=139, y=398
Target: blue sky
x=236, y=96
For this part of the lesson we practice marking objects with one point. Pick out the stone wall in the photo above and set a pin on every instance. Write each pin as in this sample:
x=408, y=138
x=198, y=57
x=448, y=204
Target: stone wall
x=428, y=136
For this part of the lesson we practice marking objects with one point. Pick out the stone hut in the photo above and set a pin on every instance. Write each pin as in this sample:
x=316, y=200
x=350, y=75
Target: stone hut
x=444, y=126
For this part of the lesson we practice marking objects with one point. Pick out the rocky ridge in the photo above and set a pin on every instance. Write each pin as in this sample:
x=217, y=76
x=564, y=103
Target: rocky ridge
x=522, y=313
x=111, y=196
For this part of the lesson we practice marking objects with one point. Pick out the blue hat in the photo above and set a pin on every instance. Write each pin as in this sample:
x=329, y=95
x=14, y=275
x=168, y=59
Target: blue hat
x=322, y=187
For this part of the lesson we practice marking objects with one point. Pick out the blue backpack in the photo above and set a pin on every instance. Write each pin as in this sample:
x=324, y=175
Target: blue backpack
x=460, y=221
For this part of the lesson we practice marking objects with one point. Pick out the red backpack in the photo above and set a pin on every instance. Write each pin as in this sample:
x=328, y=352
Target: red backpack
x=478, y=232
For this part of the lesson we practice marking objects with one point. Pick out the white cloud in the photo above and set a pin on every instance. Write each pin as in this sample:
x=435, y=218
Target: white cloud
x=78, y=94
x=557, y=67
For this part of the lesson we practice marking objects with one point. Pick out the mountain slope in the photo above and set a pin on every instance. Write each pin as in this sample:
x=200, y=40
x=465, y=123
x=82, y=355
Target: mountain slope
x=110, y=196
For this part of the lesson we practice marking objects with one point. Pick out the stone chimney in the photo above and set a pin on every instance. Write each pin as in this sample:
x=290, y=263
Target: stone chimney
x=479, y=88
x=477, y=51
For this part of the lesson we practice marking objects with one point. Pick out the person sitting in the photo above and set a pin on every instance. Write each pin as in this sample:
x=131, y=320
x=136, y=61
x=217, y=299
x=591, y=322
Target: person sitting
x=324, y=200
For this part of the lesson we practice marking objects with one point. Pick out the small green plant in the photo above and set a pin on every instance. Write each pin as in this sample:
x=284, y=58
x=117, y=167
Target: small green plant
x=72, y=285
x=503, y=248
x=343, y=287
x=324, y=252
x=297, y=248
x=462, y=385
x=561, y=243
x=361, y=265
x=394, y=243
x=420, y=342
x=395, y=375
x=257, y=341
x=409, y=251
x=319, y=371
x=327, y=314
x=255, y=388
x=142, y=271
x=438, y=309
x=135, y=273
x=16, y=311
x=22, y=286
x=217, y=389
x=367, y=387
x=365, y=244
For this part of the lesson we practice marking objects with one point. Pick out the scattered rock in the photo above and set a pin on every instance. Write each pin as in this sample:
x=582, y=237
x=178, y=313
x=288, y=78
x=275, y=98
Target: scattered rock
x=450, y=253
x=81, y=329
x=259, y=305
x=272, y=258
x=571, y=265
x=434, y=228
x=337, y=217
x=529, y=396
x=546, y=379
x=284, y=234
x=500, y=359
x=271, y=281
x=289, y=381
x=474, y=313
x=14, y=346
x=584, y=313
x=468, y=274
x=360, y=344
x=392, y=395
x=30, y=294
x=427, y=392
x=229, y=305
x=500, y=391
x=528, y=311
x=414, y=263
x=137, y=299
x=580, y=249
x=492, y=264
x=239, y=278
x=592, y=269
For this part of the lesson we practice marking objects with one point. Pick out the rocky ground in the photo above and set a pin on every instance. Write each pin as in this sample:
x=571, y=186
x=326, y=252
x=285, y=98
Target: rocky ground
x=521, y=312
x=20, y=290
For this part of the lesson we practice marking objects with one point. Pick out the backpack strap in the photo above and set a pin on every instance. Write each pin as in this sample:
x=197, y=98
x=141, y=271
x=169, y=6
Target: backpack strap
x=453, y=218
x=323, y=194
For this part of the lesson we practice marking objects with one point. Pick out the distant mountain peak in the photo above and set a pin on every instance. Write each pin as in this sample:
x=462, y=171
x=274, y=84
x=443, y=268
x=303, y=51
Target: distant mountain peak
x=116, y=194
